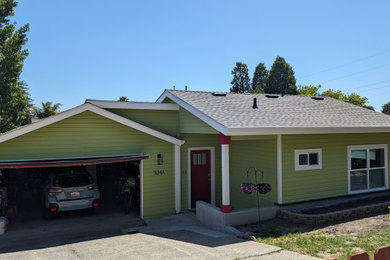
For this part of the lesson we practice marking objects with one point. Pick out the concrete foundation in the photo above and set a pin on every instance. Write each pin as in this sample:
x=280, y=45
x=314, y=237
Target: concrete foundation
x=212, y=217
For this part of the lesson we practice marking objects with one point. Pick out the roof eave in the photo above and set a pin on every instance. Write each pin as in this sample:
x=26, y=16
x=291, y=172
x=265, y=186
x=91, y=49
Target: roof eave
x=305, y=130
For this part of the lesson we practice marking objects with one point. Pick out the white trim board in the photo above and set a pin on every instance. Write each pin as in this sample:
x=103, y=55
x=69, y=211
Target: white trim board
x=87, y=107
x=306, y=130
x=133, y=105
x=212, y=169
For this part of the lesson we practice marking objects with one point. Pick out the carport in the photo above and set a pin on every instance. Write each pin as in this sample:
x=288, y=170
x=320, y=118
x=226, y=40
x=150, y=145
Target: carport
x=26, y=179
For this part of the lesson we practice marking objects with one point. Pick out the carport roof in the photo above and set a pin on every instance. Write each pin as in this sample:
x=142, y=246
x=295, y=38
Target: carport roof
x=74, y=161
x=92, y=108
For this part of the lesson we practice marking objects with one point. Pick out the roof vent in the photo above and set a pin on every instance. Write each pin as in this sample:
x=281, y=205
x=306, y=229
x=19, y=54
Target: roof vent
x=272, y=96
x=317, y=98
x=255, y=104
x=218, y=94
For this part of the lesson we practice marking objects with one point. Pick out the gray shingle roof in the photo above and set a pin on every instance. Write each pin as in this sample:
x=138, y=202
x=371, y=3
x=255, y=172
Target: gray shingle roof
x=235, y=111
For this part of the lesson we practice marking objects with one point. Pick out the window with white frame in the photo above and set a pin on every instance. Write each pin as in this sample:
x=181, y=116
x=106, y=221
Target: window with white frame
x=308, y=159
x=367, y=165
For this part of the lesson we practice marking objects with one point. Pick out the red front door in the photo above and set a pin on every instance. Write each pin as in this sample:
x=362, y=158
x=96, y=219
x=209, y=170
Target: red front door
x=200, y=176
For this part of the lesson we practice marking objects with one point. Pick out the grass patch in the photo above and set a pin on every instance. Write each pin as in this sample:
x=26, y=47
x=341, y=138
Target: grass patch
x=322, y=243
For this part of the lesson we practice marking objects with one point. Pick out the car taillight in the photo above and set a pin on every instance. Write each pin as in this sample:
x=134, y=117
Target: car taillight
x=93, y=187
x=54, y=191
x=95, y=204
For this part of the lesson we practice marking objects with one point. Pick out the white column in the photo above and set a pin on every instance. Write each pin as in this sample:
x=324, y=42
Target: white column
x=279, y=167
x=141, y=172
x=225, y=175
x=177, y=179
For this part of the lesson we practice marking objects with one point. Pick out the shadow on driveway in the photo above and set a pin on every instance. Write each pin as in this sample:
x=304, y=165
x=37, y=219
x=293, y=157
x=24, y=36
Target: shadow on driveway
x=67, y=228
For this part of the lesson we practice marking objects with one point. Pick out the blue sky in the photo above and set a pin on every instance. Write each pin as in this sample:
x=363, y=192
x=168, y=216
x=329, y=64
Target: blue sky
x=105, y=49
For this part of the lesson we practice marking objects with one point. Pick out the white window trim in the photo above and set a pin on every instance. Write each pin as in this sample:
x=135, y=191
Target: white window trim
x=365, y=147
x=212, y=168
x=308, y=167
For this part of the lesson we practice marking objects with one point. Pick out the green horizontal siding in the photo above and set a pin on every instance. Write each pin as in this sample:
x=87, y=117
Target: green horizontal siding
x=261, y=155
x=193, y=141
x=332, y=179
x=165, y=121
x=190, y=124
x=88, y=134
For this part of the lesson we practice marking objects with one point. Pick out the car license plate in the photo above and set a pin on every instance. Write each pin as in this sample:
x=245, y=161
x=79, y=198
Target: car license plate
x=75, y=194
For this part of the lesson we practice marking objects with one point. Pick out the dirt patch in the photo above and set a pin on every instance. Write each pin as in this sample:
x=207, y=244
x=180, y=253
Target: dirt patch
x=352, y=226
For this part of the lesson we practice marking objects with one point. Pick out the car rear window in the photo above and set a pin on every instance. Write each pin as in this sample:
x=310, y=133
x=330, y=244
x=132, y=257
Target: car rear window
x=72, y=180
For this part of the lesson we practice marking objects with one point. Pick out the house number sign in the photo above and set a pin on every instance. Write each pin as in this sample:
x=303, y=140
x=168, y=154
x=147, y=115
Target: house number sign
x=159, y=172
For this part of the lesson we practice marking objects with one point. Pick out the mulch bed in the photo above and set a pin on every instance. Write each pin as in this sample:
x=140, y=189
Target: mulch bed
x=346, y=205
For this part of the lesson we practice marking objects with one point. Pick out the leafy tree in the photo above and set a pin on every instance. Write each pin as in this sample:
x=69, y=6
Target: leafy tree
x=48, y=109
x=123, y=98
x=386, y=108
x=241, y=81
x=309, y=90
x=352, y=98
x=15, y=107
x=334, y=94
x=281, y=79
x=259, y=80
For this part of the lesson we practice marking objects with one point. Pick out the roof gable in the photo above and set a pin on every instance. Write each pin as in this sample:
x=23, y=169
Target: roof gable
x=82, y=108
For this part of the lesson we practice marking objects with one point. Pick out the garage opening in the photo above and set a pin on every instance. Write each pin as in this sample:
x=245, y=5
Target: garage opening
x=50, y=188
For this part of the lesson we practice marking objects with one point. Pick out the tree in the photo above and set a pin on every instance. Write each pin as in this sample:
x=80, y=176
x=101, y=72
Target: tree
x=281, y=79
x=386, y=108
x=241, y=80
x=308, y=90
x=123, y=98
x=15, y=107
x=48, y=109
x=259, y=80
x=352, y=98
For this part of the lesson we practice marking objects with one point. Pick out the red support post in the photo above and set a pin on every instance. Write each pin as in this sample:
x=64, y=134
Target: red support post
x=224, y=139
x=226, y=208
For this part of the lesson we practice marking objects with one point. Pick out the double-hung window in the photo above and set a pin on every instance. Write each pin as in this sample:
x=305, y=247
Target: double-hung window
x=367, y=165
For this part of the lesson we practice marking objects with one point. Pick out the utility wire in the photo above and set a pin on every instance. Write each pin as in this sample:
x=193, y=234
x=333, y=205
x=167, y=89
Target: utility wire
x=375, y=88
x=355, y=73
x=346, y=64
x=368, y=85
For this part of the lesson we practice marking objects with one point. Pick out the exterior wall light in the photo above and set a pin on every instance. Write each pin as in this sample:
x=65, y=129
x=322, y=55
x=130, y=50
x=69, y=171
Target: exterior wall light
x=159, y=159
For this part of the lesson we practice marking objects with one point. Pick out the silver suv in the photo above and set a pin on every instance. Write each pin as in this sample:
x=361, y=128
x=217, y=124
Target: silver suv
x=71, y=189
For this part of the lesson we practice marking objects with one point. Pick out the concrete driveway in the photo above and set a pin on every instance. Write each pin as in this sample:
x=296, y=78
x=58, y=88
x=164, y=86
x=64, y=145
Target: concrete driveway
x=173, y=237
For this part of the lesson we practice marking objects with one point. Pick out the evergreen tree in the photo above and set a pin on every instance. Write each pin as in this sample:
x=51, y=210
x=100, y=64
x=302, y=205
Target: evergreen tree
x=281, y=79
x=48, y=109
x=15, y=107
x=123, y=98
x=241, y=81
x=386, y=108
x=259, y=80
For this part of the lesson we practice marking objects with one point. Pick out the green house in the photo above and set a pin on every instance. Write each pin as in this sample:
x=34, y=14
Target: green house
x=201, y=146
